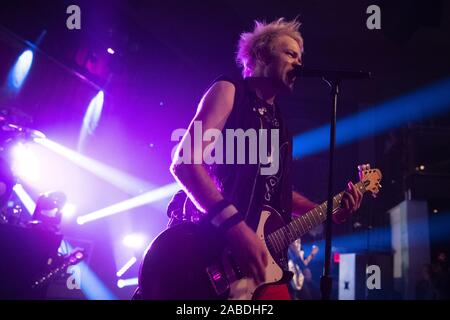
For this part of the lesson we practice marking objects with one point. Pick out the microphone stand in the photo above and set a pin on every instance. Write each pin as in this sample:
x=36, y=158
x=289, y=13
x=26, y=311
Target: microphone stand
x=326, y=280
x=332, y=78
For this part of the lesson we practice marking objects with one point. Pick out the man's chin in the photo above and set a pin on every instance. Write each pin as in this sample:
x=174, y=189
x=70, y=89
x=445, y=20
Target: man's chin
x=285, y=87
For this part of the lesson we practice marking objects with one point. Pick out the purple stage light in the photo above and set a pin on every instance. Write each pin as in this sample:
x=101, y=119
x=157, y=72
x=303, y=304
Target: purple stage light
x=126, y=266
x=135, y=241
x=127, y=282
x=111, y=51
x=91, y=118
x=25, y=198
x=117, y=178
x=20, y=71
x=143, y=199
x=68, y=210
x=25, y=162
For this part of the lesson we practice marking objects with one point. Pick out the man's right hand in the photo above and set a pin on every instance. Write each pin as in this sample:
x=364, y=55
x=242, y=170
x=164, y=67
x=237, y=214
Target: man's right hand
x=248, y=250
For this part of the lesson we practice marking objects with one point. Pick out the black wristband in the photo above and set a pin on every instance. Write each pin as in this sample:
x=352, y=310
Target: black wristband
x=231, y=221
x=217, y=208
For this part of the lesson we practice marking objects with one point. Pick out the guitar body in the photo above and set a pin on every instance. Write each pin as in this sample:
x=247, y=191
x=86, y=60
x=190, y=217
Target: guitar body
x=191, y=261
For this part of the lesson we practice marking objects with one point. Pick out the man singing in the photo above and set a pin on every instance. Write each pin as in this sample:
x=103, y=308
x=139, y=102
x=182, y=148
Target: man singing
x=231, y=195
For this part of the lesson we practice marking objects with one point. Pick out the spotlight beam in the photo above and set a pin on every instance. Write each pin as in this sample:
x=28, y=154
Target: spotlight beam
x=20, y=70
x=126, y=266
x=91, y=118
x=125, y=182
x=25, y=198
x=424, y=103
x=143, y=199
x=91, y=285
x=127, y=282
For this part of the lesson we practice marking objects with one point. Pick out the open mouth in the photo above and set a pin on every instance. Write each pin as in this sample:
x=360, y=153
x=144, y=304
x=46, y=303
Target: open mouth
x=290, y=76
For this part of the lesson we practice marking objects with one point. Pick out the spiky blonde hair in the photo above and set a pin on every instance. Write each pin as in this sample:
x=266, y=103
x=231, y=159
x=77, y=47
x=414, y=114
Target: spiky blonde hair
x=260, y=39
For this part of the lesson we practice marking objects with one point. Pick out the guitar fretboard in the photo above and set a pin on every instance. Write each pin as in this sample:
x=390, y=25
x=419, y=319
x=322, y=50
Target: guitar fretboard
x=284, y=236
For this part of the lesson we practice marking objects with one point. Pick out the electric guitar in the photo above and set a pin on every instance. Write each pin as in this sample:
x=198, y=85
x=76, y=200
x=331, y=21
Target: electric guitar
x=192, y=261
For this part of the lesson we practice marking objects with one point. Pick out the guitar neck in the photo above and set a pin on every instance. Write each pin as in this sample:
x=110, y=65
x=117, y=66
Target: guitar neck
x=283, y=237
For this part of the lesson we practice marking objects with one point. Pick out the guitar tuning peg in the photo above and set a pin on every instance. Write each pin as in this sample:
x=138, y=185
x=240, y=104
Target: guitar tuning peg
x=368, y=166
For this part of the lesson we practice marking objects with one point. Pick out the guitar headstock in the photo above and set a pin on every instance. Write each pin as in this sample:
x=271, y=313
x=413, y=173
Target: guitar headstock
x=370, y=178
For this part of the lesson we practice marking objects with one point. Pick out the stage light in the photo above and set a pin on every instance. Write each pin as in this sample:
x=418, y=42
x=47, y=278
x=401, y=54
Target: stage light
x=68, y=210
x=91, y=118
x=20, y=71
x=135, y=241
x=127, y=282
x=143, y=199
x=111, y=51
x=117, y=178
x=25, y=163
x=48, y=211
x=25, y=198
x=126, y=266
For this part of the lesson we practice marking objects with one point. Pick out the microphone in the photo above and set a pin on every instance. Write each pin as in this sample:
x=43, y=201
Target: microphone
x=301, y=71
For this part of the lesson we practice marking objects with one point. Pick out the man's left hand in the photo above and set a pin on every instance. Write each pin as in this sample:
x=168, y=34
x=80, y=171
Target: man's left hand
x=351, y=201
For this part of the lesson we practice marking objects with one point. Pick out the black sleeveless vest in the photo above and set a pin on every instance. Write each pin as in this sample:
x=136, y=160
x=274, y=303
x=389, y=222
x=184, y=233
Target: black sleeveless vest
x=241, y=183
